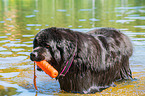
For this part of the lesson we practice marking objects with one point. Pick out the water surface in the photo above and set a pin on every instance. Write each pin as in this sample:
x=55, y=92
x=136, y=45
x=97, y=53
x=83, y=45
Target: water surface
x=20, y=20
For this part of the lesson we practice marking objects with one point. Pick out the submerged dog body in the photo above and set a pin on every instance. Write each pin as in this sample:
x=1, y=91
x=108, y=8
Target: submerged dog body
x=100, y=57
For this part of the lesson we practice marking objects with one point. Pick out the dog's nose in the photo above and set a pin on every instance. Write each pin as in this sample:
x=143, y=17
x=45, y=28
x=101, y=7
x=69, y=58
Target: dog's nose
x=33, y=56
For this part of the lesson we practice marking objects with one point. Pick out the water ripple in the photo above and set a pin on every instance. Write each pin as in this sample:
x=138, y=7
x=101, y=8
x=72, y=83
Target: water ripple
x=27, y=35
x=85, y=9
x=13, y=59
x=4, y=41
x=94, y=19
x=6, y=53
x=136, y=7
x=8, y=75
x=34, y=25
x=20, y=49
x=82, y=19
x=3, y=36
x=140, y=26
x=9, y=19
x=61, y=10
x=2, y=21
x=140, y=18
x=29, y=16
x=17, y=45
x=124, y=21
x=1, y=48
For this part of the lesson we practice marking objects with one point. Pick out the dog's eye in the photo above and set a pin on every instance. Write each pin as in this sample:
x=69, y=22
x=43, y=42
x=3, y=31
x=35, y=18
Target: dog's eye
x=47, y=46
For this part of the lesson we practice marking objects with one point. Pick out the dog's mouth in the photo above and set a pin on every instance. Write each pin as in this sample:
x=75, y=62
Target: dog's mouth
x=38, y=68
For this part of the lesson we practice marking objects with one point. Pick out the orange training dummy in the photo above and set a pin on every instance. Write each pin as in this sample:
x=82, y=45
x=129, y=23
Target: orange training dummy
x=47, y=68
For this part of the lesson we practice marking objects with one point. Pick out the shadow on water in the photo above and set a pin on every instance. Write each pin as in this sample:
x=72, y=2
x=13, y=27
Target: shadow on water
x=20, y=20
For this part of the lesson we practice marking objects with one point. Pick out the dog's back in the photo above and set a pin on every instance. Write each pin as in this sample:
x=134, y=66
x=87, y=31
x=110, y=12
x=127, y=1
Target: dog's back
x=113, y=36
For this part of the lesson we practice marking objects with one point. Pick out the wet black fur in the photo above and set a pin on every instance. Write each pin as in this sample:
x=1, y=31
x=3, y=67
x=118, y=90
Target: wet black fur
x=102, y=57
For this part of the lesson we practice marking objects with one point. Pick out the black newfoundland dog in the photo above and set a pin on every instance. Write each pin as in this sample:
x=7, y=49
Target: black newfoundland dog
x=87, y=63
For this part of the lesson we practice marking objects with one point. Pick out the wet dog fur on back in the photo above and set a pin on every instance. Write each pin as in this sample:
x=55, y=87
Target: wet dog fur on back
x=101, y=57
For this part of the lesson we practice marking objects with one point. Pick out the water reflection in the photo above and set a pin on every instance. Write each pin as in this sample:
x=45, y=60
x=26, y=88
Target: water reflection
x=9, y=91
x=20, y=20
x=29, y=16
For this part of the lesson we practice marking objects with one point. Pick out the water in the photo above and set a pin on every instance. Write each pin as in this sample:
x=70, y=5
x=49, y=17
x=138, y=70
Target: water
x=20, y=20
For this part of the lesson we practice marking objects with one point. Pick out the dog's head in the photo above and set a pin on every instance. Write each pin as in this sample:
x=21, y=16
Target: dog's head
x=53, y=45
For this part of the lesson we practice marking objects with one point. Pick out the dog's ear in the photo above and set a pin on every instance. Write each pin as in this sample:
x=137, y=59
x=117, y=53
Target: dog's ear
x=55, y=51
x=57, y=54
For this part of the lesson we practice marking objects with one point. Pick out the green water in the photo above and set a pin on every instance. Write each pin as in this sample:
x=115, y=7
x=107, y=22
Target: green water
x=20, y=20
